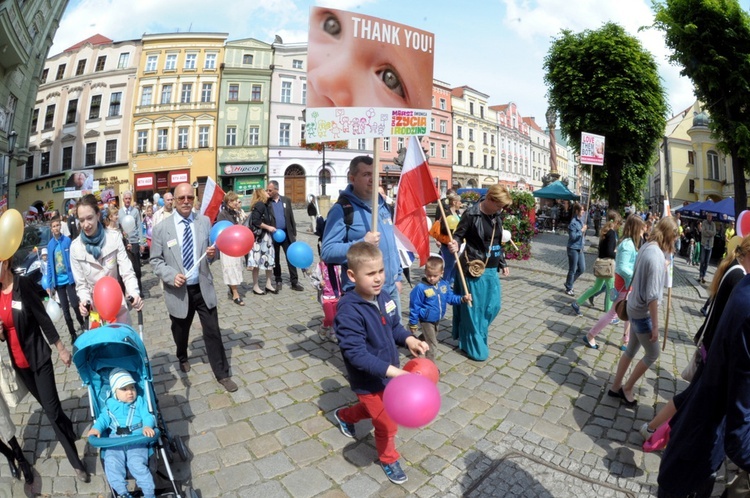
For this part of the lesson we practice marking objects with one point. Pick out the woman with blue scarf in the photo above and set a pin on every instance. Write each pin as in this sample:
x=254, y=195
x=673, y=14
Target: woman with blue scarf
x=98, y=253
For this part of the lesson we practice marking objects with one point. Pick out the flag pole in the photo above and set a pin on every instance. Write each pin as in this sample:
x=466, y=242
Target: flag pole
x=375, y=183
x=458, y=263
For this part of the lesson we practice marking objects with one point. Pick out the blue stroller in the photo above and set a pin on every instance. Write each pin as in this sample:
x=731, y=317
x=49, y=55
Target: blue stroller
x=95, y=354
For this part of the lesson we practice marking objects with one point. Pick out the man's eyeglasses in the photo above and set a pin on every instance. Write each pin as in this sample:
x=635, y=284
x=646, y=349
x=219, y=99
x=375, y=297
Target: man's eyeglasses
x=184, y=198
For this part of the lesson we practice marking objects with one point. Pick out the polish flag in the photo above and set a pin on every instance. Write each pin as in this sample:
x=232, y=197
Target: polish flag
x=415, y=190
x=213, y=196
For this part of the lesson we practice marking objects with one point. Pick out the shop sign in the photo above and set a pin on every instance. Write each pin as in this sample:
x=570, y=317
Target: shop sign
x=244, y=169
x=246, y=185
x=178, y=178
x=144, y=181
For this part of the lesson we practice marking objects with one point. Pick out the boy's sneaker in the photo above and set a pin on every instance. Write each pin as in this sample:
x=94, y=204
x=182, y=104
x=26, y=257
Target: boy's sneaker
x=570, y=292
x=347, y=429
x=614, y=321
x=394, y=473
x=323, y=332
x=576, y=308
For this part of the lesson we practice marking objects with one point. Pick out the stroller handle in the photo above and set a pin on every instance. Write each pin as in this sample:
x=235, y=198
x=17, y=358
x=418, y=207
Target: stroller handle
x=140, y=312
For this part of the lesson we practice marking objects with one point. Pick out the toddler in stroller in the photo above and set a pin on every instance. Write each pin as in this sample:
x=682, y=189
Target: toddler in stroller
x=126, y=414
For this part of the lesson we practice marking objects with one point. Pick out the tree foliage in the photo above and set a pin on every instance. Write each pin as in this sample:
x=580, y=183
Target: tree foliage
x=604, y=82
x=710, y=39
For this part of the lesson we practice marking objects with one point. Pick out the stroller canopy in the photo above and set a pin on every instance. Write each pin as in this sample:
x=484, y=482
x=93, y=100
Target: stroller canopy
x=114, y=345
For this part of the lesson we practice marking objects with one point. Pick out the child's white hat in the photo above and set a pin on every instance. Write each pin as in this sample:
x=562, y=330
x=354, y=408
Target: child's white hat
x=119, y=378
x=44, y=251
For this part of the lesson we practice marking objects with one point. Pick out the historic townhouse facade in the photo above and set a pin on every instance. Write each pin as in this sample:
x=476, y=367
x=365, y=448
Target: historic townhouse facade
x=539, y=147
x=302, y=172
x=80, y=125
x=26, y=32
x=175, y=116
x=515, y=144
x=244, y=107
x=475, y=159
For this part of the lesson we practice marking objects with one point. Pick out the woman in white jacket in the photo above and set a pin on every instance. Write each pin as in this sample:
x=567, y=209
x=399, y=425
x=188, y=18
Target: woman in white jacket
x=97, y=253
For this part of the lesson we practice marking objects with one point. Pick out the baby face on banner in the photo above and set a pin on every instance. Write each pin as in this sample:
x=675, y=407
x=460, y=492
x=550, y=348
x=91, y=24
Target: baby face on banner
x=362, y=61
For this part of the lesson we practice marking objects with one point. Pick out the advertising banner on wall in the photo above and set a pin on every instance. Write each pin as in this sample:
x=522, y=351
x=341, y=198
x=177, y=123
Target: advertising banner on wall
x=366, y=77
x=592, y=149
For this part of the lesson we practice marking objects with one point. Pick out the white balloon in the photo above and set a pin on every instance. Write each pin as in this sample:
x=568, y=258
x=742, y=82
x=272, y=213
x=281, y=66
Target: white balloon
x=53, y=309
x=506, y=236
x=157, y=196
x=128, y=223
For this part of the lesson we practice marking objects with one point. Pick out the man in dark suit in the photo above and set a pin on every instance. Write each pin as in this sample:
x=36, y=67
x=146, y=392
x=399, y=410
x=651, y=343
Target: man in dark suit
x=177, y=245
x=282, y=217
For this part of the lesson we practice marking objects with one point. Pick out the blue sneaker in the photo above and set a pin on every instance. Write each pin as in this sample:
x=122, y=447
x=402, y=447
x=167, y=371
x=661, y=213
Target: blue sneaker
x=394, y=473
x=614, y=321
x=576, y=308
x=347, y=429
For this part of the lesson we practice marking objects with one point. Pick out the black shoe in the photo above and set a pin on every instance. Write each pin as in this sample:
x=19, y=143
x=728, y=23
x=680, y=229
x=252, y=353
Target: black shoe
x=82, y=475
x=279, y=285
x=13, y=468
x=28, y=474
x=297, y=287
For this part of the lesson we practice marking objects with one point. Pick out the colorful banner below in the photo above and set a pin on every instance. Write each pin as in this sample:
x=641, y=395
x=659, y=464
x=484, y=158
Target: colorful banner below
x=335, y=123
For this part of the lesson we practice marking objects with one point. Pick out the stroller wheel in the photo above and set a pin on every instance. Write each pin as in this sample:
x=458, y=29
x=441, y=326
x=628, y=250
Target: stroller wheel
x=181, y=449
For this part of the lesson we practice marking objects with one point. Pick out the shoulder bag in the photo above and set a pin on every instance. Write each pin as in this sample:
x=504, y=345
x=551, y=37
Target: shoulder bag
x=604, y=268
x=12, y=387
x=476, y=267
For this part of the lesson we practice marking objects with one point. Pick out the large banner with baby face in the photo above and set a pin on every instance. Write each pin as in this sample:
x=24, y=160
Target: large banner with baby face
x=366, y=77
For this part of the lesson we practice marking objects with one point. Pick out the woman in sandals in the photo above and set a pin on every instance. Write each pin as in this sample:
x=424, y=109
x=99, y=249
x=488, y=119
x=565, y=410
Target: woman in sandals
x=231, y=267
x=643, y=302
x=262, y=255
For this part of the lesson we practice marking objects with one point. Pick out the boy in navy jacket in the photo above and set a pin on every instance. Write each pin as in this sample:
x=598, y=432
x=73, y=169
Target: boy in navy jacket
x=368, y=328
x=428, y=302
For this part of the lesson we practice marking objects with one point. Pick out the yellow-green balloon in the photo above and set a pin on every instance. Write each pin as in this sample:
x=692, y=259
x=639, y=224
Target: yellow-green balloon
x=733, y=243
x=452, y=221
x=11, y=233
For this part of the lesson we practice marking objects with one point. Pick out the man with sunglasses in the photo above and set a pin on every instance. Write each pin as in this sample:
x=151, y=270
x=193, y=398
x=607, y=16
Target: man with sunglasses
x=282, y=217
x=176, y=249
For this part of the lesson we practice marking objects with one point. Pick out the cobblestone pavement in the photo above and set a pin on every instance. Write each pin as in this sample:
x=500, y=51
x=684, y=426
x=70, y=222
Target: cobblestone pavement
x=533, y=420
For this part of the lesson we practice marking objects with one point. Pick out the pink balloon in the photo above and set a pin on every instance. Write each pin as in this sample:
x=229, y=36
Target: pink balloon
x=743, y=224
x=411, y=400
x=235, y=241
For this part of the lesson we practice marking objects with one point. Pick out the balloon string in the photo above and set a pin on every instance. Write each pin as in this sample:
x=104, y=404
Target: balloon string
x=197, y=263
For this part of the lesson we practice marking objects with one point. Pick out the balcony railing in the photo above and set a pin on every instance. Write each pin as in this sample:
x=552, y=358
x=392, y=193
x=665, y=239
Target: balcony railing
x=175, y=107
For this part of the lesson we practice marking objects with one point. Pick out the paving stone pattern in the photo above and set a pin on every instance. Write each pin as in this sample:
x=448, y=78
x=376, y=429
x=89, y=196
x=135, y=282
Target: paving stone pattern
x=540, y=395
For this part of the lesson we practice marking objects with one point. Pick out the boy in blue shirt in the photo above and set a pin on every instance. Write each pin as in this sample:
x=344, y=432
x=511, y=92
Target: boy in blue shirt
x=368, y=328
x=428, y=302
x=126, y=413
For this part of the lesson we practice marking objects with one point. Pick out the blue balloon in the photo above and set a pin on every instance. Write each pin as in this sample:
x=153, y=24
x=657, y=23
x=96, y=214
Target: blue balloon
x=300, y=255
x=160, y=202
x=279, y=236
x=217, y=229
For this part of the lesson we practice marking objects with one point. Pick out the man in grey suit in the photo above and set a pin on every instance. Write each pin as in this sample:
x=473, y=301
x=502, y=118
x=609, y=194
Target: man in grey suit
x=134, y=236
x=176, y=246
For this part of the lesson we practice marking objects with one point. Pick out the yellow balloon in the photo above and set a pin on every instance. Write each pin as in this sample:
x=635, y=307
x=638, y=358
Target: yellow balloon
x=733, y=243
x=452, y=221
x=11, y=233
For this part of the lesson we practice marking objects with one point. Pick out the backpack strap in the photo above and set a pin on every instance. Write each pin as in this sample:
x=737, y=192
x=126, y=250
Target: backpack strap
x=348, y=209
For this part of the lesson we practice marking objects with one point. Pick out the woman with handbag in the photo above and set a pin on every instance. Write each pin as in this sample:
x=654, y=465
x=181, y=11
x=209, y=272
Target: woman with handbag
x=604, y=266
x=649, y=276
x=627, y=250
x=231, y=267
x=729, y=273
x=262, y=255
x=481, y=228
x=29, y=332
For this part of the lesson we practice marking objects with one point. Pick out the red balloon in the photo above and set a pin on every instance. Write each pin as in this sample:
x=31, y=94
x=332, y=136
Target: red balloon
x=424, y=367
x=411, y=400
x=743, y=224
x=235, y=241
x=108, y=298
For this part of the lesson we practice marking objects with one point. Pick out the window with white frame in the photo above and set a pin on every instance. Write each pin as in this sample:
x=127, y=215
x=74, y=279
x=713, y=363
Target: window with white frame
x=492, y=140
x=162, y=139
x=296, y=64
x=713, y=165
x=142, y=141
x=151, y=62
x=247, y=58
x=443, y=151
x=442, y=126
x=471, y=135
x=253, y=135
x=101, y=61
x=146, y=94
x=90, y=157
x=484, y=161
x=166, y=94
x=459, y=157
x=255, y=94
x=110, y=151
x=29, y=168
x=432, y=149
x=302, y=131
x=442, y=104
x=171, y=62
x=67, y=158
x=386, y=144
x=187, y=92
x=123, y=61
x=231, y=136
x=284, y=132
x=182, y=137
x=361, y=144
x=304, y=93
x=96, y=104
x=471, y=159
x=459, y=132
x=190, y=60
x=399, y=143
x=114, y=103
x=484, y=138
x=234, y=92
x=432, y=124
x=203, y=137
x=206, y=92
x=44, y=164
x=286, y=92
x=210, y=61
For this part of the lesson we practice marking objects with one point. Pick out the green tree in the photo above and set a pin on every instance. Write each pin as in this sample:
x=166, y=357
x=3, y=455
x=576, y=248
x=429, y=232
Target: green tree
x=710, y=39
x=604, y=82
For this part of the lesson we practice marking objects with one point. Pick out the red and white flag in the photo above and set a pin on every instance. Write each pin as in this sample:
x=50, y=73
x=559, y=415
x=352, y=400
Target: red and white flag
x=213, y=196
x=415, y=190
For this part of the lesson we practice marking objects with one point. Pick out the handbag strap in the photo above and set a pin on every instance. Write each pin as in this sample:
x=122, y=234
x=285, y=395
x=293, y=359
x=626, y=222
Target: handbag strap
x=713, y=301
x=492, y=239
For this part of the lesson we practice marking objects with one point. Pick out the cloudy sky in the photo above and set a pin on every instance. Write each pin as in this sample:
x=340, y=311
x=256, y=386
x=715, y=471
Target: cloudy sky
x=494, y=46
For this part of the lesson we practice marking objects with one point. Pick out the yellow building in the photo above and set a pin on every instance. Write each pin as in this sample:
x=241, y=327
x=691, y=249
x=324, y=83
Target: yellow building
x=175, y=112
